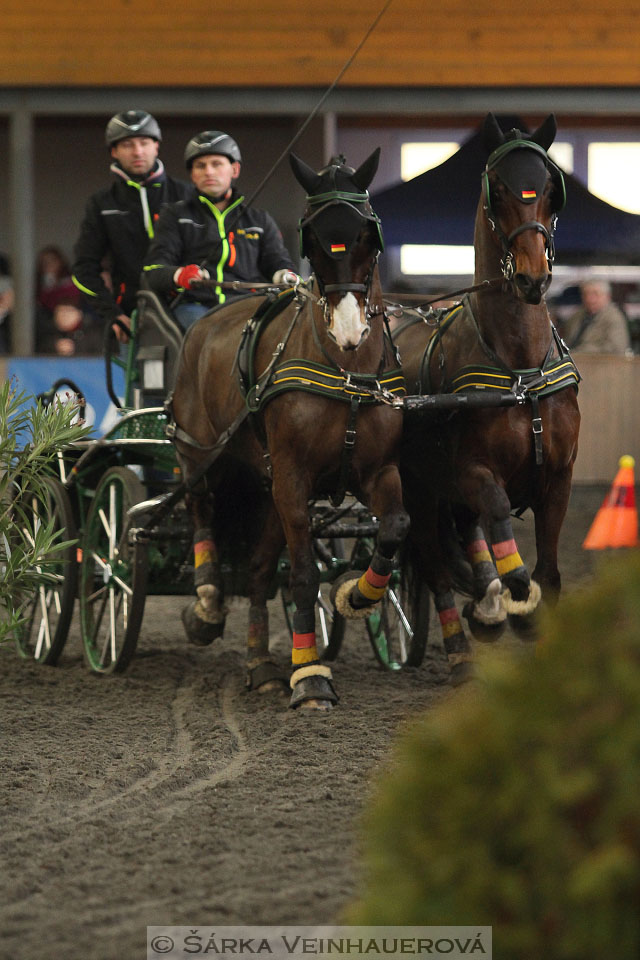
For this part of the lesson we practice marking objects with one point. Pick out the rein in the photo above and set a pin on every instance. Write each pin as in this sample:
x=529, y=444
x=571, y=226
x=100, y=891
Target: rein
x=420, y=303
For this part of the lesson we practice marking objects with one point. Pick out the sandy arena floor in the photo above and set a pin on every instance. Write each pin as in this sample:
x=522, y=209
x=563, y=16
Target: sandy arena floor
x=169, y=795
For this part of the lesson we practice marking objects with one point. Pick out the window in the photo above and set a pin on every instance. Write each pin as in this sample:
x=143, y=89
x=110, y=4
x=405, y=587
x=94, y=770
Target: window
x=562, y=154
x=420, y=259
x=416, y=158
x=613, y=174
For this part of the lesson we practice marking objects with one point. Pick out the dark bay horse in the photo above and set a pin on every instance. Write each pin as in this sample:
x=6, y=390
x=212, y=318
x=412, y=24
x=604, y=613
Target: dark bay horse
x=486, y=462
x=314, y=377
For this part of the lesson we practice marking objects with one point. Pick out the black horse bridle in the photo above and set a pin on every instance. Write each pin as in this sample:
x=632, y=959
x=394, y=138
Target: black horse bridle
x=506, y=241
x=323, y=225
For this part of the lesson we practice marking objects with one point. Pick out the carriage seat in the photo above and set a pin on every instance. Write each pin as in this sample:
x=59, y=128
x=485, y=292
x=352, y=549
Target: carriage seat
x=159, y=342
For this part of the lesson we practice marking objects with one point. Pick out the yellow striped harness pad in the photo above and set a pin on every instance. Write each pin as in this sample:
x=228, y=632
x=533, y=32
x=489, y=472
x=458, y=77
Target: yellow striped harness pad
x=555, y=373
x=558, y=374
x=316, y=378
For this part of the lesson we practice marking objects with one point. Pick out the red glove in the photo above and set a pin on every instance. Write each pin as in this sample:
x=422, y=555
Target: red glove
x=184, y=276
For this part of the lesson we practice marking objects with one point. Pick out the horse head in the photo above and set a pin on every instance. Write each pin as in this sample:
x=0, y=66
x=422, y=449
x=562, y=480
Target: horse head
x=341, y=237
x=523, y=192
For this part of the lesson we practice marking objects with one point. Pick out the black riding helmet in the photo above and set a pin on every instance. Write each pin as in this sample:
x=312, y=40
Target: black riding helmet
x=132, y=123
x=211, y=141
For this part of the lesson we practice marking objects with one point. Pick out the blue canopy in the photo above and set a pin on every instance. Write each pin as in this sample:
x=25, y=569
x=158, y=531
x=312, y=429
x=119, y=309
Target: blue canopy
x=439, y=207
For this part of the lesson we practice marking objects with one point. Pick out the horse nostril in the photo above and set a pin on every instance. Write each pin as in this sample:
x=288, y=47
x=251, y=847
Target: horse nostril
x=530, y=287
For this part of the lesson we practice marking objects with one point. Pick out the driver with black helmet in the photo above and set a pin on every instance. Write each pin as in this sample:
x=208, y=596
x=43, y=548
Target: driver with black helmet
x=212, y=234
x=120, y=220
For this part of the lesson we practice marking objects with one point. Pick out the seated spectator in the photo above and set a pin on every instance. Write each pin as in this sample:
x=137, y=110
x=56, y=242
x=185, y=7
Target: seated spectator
x=70, y=332
x=599, y=326
x=6, y=304
x=54, y=286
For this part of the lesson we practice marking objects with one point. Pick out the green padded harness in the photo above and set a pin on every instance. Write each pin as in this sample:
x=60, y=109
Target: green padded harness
x=556, y=372
x=305, y=375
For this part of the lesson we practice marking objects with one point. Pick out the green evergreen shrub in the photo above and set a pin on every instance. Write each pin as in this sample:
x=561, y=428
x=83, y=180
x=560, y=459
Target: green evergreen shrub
x=516, y=804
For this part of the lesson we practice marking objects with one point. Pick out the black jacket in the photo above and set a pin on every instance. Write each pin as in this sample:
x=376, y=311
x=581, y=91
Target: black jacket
x=241, y=243
x=114, y=229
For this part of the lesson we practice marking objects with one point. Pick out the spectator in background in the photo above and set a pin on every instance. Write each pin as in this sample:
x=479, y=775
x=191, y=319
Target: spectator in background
x=599, y=326
x=53, y=286
x=71, y=332
x=6, y=304
x=62, y=326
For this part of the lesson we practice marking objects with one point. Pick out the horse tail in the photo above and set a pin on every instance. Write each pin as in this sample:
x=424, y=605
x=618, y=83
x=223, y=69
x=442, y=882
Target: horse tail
x=456, y=572
x=451, y=545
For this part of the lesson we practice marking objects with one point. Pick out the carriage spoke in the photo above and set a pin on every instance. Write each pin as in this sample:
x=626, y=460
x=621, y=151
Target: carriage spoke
x=94, y=596
x=27, y=535
x=401, y=614
x=112, y=520
x=44, y=608
x=123, y=586
x=38, y=648
x=112, y=619
x=324, y=626
x=102, y=563
x=99, y=618
x=105, y=522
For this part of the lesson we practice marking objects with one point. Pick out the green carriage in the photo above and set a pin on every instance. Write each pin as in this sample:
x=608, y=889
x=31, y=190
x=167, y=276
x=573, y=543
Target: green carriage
x=121, y=499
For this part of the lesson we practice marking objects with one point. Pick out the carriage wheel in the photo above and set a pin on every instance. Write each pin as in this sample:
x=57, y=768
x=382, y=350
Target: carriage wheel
x=332, y=625
x=48, y=613
x=399, y=628
x=113, y=575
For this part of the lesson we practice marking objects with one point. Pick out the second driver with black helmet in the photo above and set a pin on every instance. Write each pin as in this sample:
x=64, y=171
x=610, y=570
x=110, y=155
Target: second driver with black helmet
x=212, y=234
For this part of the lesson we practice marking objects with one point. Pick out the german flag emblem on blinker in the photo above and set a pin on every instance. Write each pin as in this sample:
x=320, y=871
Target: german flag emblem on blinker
x=529, y=194
x=338, y=247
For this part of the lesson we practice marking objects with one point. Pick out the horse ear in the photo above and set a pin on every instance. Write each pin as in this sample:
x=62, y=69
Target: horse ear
x=546, y=132
x=367, y=170
x=304, y=174
x=492, y=135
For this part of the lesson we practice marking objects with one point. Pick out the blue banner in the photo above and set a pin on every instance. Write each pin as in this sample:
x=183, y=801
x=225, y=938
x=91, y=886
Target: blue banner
x=35, y=375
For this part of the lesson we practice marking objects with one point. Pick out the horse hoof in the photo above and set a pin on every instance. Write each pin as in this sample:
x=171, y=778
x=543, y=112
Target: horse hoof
x=313, y=692
x=319, y=706
x=340, y=596
x=485, y=632
x=526, y=606
x=199, y=631
x=266, y=677
x=461, y=672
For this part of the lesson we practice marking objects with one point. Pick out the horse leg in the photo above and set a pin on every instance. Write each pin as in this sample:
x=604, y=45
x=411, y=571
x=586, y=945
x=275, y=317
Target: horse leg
x=487, y=498
x=204, y=617
x=549, y=515
x=310, y=679
x=427, y=553
x=485, y=614
x=262, y=673
x=355, y=597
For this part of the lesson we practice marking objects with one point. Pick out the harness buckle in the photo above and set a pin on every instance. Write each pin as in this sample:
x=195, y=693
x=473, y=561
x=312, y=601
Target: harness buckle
x=536, y=425
x=350, y=437
x=170, y=430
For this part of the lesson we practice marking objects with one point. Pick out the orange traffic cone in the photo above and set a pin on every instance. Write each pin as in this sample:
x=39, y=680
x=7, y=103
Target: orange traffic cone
x=616, y=522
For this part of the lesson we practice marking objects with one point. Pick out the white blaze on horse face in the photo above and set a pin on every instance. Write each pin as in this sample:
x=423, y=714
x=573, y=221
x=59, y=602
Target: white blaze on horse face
x=348, y=323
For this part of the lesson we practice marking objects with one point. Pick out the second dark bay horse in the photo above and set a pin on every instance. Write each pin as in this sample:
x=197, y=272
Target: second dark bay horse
x=317, y=368
x=482, y=463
